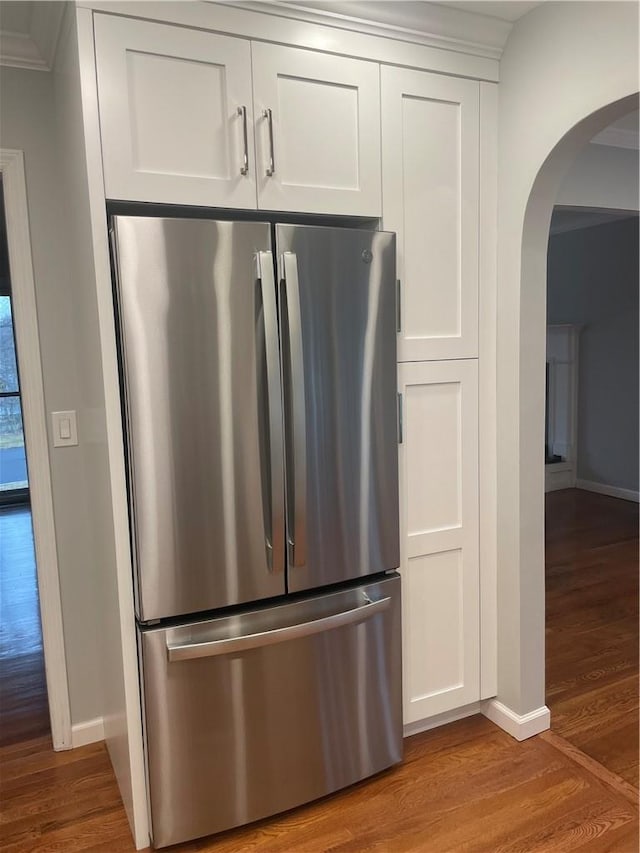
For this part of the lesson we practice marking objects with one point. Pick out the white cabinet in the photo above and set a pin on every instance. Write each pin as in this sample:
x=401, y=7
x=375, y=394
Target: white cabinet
x=169, y=120
x=430, y=171
x=181, y=123
x=318, y=150
x=439, y=536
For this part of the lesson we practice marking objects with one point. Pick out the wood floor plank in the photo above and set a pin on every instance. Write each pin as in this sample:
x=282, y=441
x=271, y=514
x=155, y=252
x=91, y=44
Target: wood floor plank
x=24, y=708
x=610, y=779
x=592, y=626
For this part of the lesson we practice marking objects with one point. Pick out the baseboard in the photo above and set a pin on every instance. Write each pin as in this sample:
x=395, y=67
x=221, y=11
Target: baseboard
x=559, y=476
x=518, y=726
x=87, y=732
x=441, y=719
x=611, y=491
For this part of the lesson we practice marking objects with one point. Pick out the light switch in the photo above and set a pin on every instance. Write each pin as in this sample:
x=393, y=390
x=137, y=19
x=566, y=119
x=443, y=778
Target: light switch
x=65, y=430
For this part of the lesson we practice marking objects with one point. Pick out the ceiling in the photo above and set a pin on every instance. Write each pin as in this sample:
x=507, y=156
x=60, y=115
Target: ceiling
x=16, y=17
x=29, y=33
x=508, y=10
x=400, y=12
x=621, y=134
x=575, y=218
x=473, y=22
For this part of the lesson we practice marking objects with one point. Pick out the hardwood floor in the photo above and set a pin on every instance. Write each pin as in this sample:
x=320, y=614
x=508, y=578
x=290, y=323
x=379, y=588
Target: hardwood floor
x=467, y=786
x=592, y=626
x=24, y=711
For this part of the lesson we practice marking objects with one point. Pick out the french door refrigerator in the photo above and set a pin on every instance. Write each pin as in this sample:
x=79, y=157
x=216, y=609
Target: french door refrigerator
x=258, y=373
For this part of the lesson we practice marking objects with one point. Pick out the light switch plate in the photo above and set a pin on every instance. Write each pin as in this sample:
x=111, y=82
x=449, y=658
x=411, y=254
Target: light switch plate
x=65, y=429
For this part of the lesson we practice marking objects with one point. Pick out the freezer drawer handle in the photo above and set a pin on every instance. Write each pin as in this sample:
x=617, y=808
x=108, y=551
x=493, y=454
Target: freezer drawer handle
x=189, y=651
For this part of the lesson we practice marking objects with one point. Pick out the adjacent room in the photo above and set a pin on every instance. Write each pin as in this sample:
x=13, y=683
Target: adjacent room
x=591, y=453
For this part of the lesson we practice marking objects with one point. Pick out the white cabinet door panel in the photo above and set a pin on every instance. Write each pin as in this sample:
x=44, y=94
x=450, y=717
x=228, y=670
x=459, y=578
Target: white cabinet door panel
x=439, y=536
x=430, y=162
x=325, y=113
x=168, y=99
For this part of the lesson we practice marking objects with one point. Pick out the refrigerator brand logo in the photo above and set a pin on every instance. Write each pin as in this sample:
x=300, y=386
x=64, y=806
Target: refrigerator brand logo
x=367, y=257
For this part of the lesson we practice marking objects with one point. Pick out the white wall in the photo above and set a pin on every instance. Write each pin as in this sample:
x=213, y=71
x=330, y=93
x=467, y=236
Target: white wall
x=27, y=123
x=602, y=176
x=75, y=94
x=562, y=63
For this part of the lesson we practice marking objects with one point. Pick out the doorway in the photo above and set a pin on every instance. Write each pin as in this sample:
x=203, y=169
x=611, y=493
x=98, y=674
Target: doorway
x=591, y=471
x=24, y=709
x=14, y=482
x=32, y=630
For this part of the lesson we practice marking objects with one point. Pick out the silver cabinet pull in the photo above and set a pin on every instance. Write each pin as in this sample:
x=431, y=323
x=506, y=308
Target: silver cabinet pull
x=296, y=432
x=274, y=537
x=213, y=648
x=244, y=169
x=272, y=165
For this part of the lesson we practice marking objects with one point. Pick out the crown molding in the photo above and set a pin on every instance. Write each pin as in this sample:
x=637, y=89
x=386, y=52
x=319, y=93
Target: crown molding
x=34, y=50
x=617, y=137
x=437, y=26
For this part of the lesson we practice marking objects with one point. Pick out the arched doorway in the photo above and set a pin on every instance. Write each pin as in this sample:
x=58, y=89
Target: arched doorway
x=560, y=85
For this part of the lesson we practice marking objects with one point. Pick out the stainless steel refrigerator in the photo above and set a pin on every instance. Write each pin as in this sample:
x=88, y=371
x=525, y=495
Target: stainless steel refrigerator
x=258, y=373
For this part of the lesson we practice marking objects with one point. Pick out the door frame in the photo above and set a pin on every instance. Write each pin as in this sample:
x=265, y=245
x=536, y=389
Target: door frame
x=34, y=419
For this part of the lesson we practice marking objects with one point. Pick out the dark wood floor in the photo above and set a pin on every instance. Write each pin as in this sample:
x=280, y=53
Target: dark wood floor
x=463, y=787
x=24, y=712
x=592, y=626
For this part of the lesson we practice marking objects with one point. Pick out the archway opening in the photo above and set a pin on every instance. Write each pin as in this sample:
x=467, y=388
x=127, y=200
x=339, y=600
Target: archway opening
x=532, y=380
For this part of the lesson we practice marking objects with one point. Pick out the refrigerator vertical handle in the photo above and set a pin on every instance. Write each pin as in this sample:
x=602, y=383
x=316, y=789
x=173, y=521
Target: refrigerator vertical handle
x=297, y=504
x=275, y=537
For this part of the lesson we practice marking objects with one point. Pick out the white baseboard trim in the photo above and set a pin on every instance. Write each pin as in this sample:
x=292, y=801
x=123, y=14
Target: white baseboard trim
x=518, y=726
x=441, y=719
x=88, y=732
x=556, y=480
x=611, y=491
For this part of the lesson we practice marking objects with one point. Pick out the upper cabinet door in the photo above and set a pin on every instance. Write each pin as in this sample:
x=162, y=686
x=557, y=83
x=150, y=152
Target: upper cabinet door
x=176, y=114
x=318, y=149
x=430, y=157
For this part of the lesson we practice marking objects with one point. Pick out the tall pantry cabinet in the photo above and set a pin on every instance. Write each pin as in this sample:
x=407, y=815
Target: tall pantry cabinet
x=431, y=185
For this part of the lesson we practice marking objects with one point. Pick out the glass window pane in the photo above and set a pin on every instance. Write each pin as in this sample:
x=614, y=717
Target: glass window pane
x=13, y=460
x=8, y=368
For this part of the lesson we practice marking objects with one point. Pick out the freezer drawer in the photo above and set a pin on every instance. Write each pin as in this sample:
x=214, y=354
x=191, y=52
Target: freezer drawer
x=252, y=714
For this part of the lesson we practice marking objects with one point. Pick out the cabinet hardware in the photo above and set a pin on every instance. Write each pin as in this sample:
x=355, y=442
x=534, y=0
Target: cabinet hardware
x=272, y=166
x=244, y=169
x=399, y=305
x=400, y=424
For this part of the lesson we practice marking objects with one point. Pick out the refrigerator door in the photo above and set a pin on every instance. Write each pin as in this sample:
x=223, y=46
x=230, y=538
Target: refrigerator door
x=249, y=715
x=201, y=384
x=338, y=327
